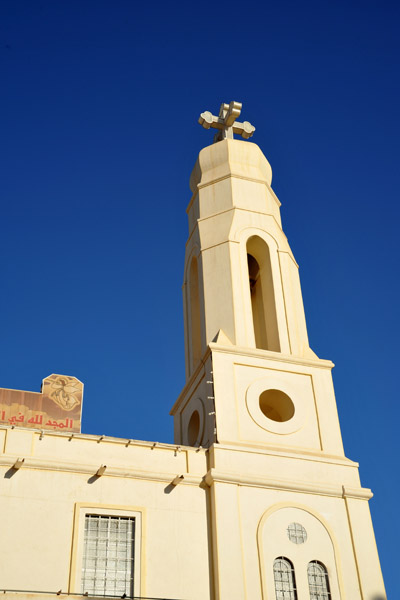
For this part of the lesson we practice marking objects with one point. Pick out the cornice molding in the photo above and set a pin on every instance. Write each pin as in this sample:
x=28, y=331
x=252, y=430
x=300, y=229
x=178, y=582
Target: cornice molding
x=324, y=489
x=90, y=469
x=292, y=453
x=275, y=356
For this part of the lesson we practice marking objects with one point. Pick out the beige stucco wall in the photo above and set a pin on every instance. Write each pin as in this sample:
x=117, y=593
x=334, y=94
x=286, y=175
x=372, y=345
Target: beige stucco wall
x=256, y=494
x=40, y=501
x=213, y=535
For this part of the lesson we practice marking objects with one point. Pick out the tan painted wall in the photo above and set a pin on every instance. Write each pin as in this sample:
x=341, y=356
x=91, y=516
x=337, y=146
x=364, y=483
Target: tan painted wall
x=214, y=535
x=39, y=504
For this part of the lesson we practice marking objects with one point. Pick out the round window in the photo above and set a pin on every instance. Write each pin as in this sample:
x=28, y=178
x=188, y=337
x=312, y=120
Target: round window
x=296, y=533
x=276, y=405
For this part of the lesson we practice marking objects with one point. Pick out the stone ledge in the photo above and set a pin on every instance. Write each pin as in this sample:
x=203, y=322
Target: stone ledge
x=323, y=489
x=91, y=470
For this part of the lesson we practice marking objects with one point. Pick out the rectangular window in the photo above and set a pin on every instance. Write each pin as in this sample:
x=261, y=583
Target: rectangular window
x=108, y=555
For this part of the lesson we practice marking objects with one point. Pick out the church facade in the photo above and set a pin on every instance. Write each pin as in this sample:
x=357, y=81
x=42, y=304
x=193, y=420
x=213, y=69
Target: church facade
x=256, y=499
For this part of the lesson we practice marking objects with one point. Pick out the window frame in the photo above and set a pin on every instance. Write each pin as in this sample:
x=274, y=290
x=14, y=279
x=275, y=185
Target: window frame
x=291, y=570
x=324, y=572
x=81, y=511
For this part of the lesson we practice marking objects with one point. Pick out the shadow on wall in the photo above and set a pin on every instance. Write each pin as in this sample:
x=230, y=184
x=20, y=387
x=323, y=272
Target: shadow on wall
x=10, y=473
x=93, y=478
x=379, y=598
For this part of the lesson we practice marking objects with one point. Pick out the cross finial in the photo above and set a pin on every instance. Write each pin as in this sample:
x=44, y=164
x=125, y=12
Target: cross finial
x=226, y=122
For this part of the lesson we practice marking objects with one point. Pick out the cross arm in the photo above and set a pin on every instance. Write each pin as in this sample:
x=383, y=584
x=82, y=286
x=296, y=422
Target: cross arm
x=208, y=120
x=226, y=122
x=244, y=129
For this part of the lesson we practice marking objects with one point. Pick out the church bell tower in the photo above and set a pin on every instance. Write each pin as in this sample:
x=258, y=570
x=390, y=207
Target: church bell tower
x=284, y=497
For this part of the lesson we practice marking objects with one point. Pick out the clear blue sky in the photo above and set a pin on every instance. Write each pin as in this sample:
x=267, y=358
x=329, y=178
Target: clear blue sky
x=99, y=133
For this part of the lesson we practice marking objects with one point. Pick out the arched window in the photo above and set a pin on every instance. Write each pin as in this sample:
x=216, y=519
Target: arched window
x=318, y=581
x=195, y=325
x=285, y=582
x=262, y=295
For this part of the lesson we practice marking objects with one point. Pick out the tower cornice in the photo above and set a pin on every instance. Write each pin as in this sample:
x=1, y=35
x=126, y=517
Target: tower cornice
x=230, y=158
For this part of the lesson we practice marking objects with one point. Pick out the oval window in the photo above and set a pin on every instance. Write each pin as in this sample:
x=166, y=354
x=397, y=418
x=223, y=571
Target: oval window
x=276, y=405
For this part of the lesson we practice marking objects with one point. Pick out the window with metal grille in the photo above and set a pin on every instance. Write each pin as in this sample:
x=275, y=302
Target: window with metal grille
x=285, y=581
x=296, y=533
x=318, y=581
x=108, y=556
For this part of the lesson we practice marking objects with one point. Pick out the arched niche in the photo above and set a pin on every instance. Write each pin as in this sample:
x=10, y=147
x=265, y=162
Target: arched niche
x=193, y=423
x=301, y=537
x=262, y=295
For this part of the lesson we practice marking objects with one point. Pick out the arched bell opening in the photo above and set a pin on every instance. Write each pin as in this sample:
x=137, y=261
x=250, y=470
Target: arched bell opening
x=262, y=295
x=194, y=309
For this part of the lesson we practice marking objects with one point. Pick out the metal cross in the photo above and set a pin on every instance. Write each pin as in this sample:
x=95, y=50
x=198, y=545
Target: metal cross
x=226, y=122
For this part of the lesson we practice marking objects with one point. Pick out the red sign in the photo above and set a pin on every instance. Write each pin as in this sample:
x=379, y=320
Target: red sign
x=58, y=406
